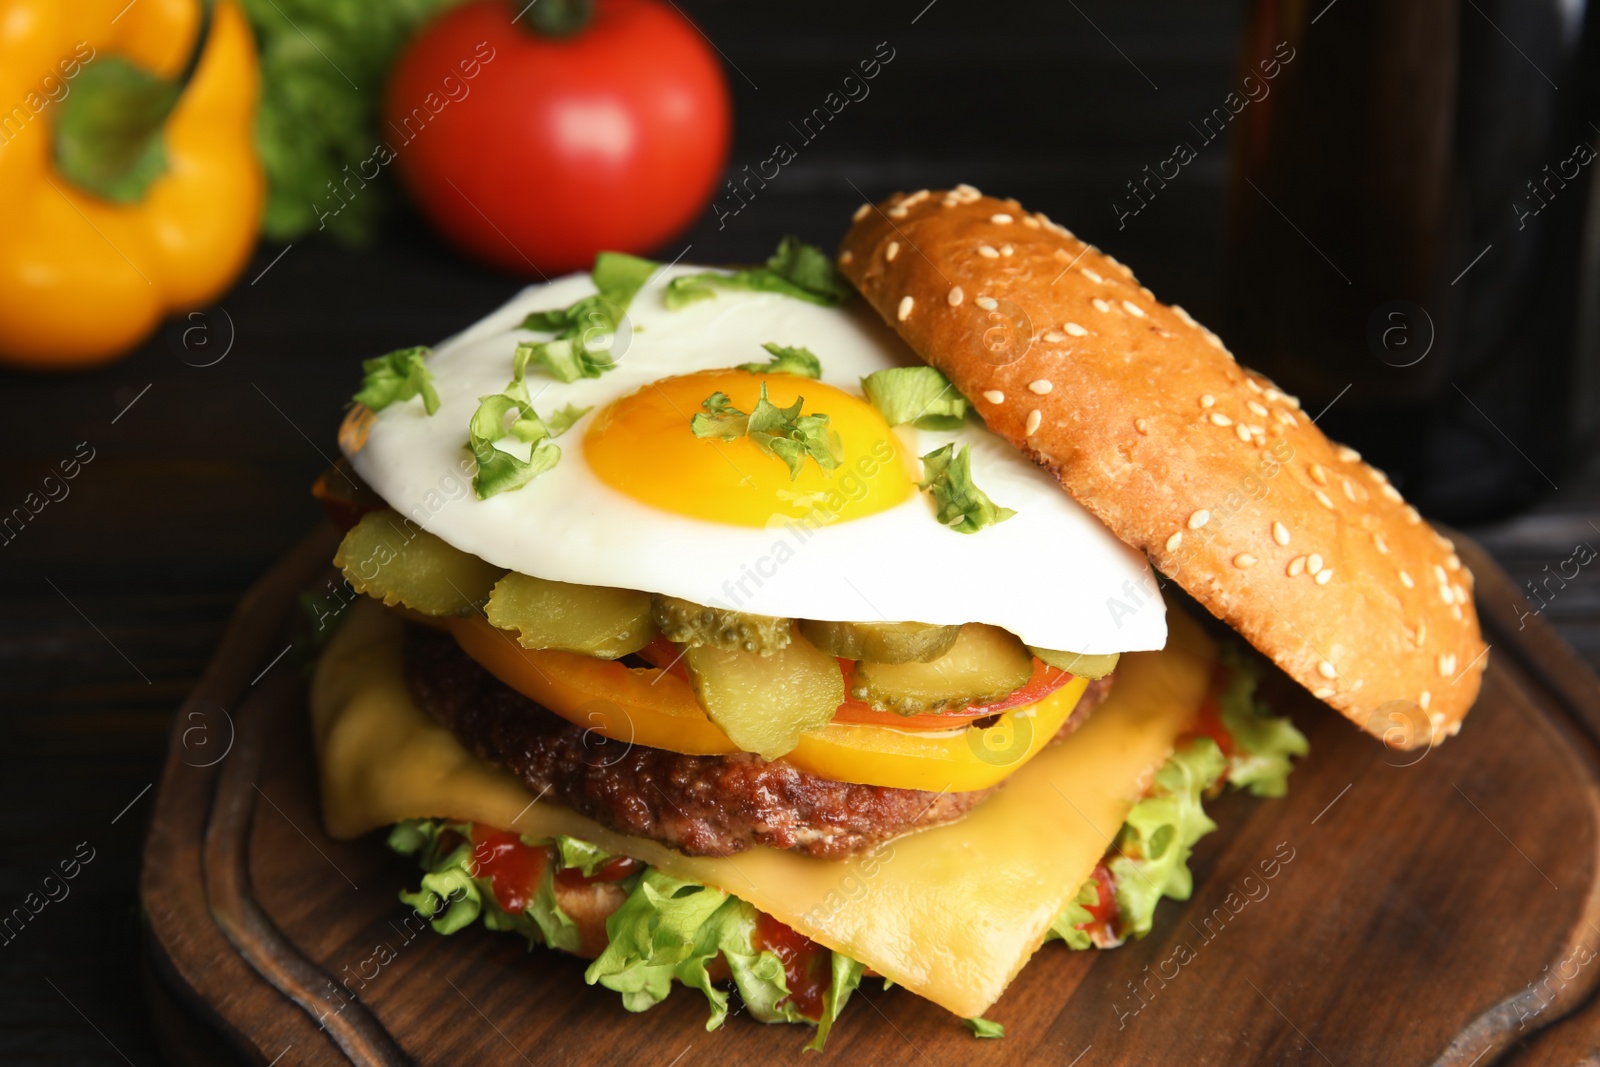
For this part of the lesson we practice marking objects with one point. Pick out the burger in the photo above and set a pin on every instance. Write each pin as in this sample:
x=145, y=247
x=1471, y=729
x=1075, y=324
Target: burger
x=764, y=631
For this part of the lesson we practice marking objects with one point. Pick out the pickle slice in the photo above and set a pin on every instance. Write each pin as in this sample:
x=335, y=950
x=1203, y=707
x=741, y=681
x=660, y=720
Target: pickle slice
x=983, y=665
x=1077, y=663
x=881, y=642
x=592, y=619
x=765, y=702
x=689, y=623
x=389, y=557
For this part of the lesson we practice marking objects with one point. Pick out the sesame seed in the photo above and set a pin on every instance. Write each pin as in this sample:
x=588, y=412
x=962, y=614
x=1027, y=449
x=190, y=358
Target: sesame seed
x=949, y=201
x=1314, y=562
x=1255, y=387
x=1377, y=475
x=1034, y=419
x=916, y=197
x=1424, y=700
x=861, y=212
x=892, y=251
x=1207, y=401
x=1297, y=567
x=1001, y=219
x=1142, y=426
x=1042, y=386
x=1174, y=541
x=987, y=303
x=1280, y=533
x=1324, y=576
x=955, y=296
x=1061, y=254
x=1456, y=611
x=988, y=252
x=846, y=258
x=1447, y=663
x=1257, y=408
x=1327, y=670
x=1030, y=222
x=1257, y=431
x=968, y=190
x=1093, y=276
x=1133, y=309
x=897, y=212
x=1272, y=395
x=1292, y=400
x=1380, y=544
x=1324, y=499
x=1461, y=594
x=1348, y=454
x=1319, y=475
x=1243, y=560
x=904, y=311
x=1100, y=305
x=1006, y=250
x=1406, y=580
x=1199, y=519
x=1213, y=340
x=1054, y=336
x=1243, y=431
x=1350, y=491
x=1324, y=693
x=1284, y=417
x=1422, y=633
x=994, y=396
x=1391, y=492
x=1074, y=330
x=1219, y=419
x=1454, y=562
x=1440, y=576
x=1184, y=316
x=1411, y=515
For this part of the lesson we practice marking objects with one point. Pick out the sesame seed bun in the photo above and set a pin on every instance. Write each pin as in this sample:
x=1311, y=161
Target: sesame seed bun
x=1214, y=473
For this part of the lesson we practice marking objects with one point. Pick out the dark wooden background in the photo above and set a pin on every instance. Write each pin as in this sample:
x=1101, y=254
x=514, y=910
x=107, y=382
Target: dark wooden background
x=115, y=595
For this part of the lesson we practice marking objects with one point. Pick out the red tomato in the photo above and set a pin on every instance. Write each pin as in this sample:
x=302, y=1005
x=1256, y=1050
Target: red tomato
x=535, y=152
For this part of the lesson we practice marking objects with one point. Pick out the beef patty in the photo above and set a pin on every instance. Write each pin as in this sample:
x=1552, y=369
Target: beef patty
x=699, y=805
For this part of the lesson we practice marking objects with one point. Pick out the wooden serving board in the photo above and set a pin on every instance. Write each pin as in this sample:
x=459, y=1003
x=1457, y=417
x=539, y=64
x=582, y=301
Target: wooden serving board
x=1435, y=907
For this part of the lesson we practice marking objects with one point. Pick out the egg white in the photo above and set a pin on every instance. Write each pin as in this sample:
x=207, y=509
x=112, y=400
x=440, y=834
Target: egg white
x=1053, y=574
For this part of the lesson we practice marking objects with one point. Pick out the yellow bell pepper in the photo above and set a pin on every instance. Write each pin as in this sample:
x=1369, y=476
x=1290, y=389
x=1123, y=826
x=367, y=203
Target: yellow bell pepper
x=659, y=710
x=83, y=279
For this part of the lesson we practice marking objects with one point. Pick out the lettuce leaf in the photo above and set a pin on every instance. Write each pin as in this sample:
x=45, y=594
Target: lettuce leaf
x=397, y=376
x=666, y=929
x=958, y=503
x=918, y=395
x=1153, y=846
x=796, y=269
x=1262, y=742
x=575, y=351
x=800, y=362
x=1076, y=913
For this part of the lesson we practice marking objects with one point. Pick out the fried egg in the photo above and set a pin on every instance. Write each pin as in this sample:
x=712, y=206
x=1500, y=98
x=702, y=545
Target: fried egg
x=638, y=501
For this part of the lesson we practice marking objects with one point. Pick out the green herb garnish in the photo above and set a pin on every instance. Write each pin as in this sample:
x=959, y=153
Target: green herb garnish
x=796, y=269
x=500, y=471
x=960, y=505
x=797, y=361
x=781, y=432
x=399, y=375
x=918, y=395
x=575, y=351
x=982, y=1027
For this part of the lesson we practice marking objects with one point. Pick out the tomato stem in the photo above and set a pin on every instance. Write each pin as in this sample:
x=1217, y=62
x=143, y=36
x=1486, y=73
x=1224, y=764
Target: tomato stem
x=556, y=18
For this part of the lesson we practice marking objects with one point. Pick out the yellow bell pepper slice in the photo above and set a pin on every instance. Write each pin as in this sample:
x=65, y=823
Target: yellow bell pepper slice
x=658, y=710
x=83, y=279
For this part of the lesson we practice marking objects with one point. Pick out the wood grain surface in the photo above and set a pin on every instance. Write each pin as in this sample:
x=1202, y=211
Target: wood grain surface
x=1437, y=906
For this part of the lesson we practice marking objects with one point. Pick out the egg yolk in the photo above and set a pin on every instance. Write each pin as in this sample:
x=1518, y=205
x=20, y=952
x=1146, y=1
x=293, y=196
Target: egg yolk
x=642, y=446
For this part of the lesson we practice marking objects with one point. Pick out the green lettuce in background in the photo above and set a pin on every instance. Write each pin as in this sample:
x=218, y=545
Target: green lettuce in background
x=324, y=68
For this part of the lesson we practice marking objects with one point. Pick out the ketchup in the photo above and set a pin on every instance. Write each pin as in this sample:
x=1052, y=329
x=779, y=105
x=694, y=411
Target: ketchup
x=1103, y=927
x=807, y=966
x=513, y=868
x=614, y=869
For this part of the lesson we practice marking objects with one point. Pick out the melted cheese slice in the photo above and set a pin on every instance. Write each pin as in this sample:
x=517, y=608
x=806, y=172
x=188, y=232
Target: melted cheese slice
x=951, y=913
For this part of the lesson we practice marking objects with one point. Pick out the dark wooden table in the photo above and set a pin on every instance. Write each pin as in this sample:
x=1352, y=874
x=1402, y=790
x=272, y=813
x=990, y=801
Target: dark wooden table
x=205, y=441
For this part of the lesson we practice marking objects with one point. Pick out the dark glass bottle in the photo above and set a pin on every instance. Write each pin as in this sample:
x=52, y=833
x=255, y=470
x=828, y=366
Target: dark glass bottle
x=1406, y=235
